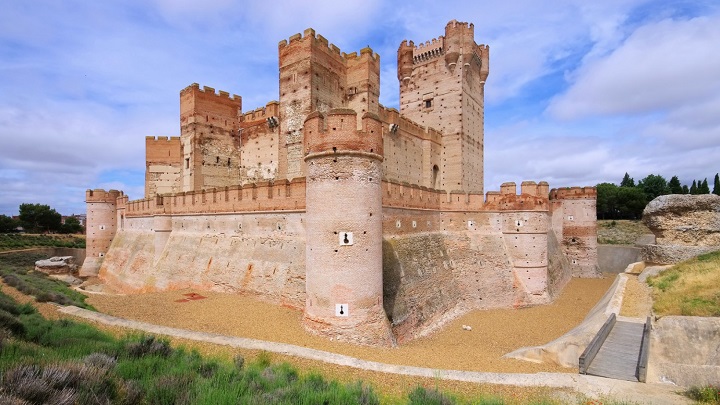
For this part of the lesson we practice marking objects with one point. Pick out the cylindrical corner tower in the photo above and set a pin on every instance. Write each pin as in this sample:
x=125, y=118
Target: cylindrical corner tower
x=100, y=225
x=344, y=228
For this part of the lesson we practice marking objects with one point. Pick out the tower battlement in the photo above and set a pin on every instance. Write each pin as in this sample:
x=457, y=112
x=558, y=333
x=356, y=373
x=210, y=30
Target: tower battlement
x=208, y=107
x=337, y=133
x=102, y=196
x=210, y=91
x=574, y=193
x=271, y=109
x=533, y=196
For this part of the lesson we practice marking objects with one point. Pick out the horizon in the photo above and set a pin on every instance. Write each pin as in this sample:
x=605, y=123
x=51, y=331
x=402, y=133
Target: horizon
x=578, y=94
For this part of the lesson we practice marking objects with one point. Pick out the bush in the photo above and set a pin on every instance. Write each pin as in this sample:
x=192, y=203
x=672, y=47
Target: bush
x=707, y=394
x=424, y=396
x=148, y=346
x=10, y=323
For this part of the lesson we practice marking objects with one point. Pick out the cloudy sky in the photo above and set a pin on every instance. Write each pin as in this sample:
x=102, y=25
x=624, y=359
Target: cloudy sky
x=579, y=92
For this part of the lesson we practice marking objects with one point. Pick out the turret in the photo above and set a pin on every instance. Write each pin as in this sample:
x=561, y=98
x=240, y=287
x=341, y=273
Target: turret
x=100, y=227
x=579, y=228
x=405, y=60
x=442, y=87
x=344, y=228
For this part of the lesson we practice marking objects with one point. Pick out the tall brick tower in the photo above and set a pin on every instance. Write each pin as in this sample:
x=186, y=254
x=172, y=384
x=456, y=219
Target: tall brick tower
x=316, y=76
x=344, y=228
x=579, y=228
x=442, y=85
x=209, y=124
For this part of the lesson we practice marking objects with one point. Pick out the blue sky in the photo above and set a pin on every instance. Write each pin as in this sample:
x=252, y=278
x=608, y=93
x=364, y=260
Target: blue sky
x=579, y=92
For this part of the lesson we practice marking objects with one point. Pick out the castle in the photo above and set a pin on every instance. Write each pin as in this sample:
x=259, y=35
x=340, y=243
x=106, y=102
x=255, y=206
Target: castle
x=371, y=220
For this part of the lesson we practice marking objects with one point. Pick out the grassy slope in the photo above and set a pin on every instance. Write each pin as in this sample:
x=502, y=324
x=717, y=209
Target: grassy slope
x=620, y=232
x=689, y=288
x=14, y=241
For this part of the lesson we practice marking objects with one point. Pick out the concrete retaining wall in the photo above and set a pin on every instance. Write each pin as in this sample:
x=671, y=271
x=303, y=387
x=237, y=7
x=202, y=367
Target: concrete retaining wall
x=615, y=258
x=685, y=350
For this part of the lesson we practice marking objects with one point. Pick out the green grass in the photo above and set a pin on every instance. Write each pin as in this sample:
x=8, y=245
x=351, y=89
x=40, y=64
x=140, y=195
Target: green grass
x=690, y=288
x=707, y=394
x=13, y=241
x=16, y=270
x=46, y=361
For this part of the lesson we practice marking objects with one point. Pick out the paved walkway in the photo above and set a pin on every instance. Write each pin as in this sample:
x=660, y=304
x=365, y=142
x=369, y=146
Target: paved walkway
x=591, y=386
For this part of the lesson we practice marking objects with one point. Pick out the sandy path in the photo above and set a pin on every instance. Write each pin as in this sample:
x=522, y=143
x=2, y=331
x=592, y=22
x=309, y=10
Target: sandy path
x=495, y=332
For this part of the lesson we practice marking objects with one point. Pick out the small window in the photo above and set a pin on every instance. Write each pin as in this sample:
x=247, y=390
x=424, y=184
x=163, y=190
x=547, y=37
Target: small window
x=428, y=103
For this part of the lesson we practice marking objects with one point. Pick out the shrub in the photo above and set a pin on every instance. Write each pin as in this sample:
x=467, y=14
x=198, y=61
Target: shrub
x=424, y=396
x=239, y=362
x=11, y=323
x=148, y=346
x=707, y=393
x=100, y=360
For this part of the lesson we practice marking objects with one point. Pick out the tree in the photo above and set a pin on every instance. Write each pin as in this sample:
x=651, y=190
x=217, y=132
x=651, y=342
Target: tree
x=686, y=190
x=675, y=186
x=71, y=225
x=654, y=186
x=627, y=181
x=606, y=203
x=8, y=224
x=693, y=188
x=703, y=188
x=615, y=202
x=631, y=202
x=39, y=218
x=716, y=185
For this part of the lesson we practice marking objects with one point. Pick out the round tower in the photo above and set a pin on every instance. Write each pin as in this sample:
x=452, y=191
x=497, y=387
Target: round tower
x=344, y=228
x=100, y=225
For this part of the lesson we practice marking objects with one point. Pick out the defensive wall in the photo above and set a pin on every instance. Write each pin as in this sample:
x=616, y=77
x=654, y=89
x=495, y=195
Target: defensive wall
x=442, y=253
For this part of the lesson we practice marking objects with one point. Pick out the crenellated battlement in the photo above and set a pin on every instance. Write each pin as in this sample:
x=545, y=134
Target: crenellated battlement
x=162, y=139
x=271, y=109
x=101, y=196
x=429, y=50
x=336, y=132
x=254, y=197
x=533, y=196
x=195, y=87
x=319, y=42
x=574, y=193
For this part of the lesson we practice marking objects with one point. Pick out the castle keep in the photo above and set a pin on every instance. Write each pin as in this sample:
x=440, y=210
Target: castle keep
x=373, y=221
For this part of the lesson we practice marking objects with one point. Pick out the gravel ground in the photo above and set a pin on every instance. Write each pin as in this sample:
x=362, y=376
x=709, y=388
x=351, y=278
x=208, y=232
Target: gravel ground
x=637, y=301
x=494, y=332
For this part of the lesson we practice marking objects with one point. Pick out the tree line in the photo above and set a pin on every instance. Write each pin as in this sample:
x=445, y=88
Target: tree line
x=628, y=200
x=39, y=218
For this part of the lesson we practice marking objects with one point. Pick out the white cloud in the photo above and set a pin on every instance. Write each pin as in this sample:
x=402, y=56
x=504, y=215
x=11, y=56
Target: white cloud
x=660, y=66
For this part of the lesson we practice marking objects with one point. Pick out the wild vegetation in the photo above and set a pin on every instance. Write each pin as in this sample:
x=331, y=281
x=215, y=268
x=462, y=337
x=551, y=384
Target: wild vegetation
x=620, y=232
x=16, y=270
x=16, y=241
x=689, y=288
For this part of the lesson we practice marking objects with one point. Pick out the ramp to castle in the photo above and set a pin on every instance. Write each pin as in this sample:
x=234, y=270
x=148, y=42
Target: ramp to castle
x=618, y=351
